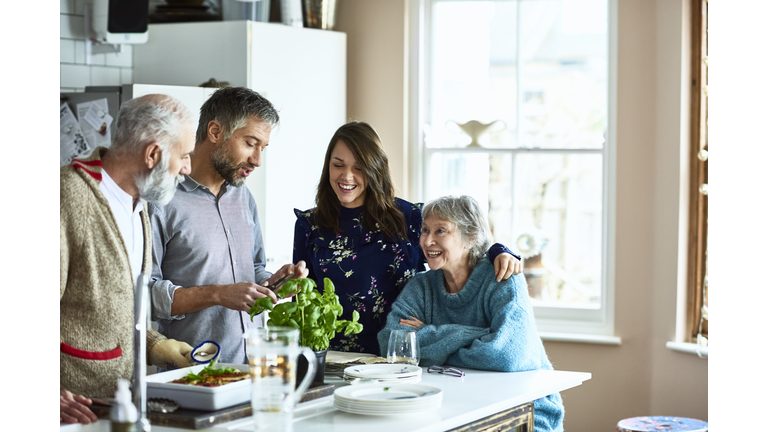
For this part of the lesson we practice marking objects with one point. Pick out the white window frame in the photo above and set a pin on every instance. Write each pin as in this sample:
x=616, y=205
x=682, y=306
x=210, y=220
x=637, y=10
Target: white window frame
x=554, y=323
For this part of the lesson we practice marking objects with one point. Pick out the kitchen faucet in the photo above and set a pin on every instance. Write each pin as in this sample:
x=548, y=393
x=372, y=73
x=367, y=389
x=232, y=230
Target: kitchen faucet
x=141, y=321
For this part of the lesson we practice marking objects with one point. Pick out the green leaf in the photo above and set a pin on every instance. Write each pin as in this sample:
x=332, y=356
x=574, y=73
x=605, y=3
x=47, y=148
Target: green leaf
x=288, y=308
x=288, y=288
x=260, y=306
x=337, y=309
x=313, y=313
x=209, y=370
x=308, y=284
x=328, y=286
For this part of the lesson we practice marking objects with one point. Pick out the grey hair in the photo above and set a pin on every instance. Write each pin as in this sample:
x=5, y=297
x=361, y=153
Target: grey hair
x=147, y=119
x=465, y=212
x=231, y=107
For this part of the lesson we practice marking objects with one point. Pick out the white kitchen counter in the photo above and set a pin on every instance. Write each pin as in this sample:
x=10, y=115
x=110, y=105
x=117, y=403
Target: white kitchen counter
x=479, y=394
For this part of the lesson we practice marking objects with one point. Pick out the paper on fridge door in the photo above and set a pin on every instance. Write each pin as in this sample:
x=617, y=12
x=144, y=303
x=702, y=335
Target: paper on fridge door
x=95, y=122
x=73, y=142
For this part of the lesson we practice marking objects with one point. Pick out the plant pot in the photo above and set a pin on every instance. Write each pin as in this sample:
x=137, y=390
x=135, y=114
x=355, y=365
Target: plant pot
x=301, y=368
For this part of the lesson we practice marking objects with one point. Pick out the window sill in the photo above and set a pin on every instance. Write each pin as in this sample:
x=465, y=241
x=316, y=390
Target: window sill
x=690, y=348
x=580, y=338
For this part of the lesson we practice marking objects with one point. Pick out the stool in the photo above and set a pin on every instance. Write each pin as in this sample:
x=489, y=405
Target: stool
x=662, y=424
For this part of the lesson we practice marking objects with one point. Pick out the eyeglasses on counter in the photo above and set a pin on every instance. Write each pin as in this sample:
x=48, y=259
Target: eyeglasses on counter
x=446, y=371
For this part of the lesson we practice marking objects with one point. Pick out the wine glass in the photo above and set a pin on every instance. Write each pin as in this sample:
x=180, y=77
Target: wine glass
x=403, y=347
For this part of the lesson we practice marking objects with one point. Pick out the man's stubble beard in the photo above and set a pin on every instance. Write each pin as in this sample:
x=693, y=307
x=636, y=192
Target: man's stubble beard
x=223, y=163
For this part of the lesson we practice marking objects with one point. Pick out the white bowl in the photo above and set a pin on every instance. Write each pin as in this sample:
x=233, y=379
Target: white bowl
x=196, y=397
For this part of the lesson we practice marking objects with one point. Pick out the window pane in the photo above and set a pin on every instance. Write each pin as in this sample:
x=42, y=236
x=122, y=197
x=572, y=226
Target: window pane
x=556, y=224
x=564, y=57
x=561, y=101
x=467, y=38
x=546, y=206
x=459, y=174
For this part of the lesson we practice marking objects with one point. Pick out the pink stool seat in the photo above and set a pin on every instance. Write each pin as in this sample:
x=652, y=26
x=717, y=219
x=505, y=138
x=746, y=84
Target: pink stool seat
x=662, y=424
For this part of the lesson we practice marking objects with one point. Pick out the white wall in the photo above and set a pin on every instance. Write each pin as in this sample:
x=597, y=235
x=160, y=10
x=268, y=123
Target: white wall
x=376, y=75
x=104, y=69
x=641, y=376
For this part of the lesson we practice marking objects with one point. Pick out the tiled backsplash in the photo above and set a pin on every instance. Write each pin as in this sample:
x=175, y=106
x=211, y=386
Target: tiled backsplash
x=104, y=69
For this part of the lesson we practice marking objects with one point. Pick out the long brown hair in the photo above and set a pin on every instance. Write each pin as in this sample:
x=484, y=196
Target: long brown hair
x=379, y=207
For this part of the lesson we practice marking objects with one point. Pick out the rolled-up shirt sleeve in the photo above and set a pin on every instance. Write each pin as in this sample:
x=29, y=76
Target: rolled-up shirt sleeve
x=162, y=300
x=161, y=291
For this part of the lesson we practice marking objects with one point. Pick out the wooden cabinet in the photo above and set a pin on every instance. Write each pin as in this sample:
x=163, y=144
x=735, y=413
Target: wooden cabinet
x=517, y=419
x=301, y=71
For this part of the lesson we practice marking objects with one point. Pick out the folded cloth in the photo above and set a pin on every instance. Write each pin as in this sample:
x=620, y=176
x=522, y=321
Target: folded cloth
x=373, y=360
x=339, y=357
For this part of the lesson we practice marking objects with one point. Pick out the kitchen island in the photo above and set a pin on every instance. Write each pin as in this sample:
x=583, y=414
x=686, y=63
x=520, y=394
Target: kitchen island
x=475, y=398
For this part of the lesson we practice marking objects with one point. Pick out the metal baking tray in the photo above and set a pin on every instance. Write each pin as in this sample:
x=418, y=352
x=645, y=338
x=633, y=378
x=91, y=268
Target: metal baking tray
x=200, y=398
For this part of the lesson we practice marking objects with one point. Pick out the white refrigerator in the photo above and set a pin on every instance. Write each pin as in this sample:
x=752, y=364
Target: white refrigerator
x=301, y=71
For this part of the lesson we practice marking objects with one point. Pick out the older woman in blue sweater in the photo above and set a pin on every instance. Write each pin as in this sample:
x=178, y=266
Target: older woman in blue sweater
x=463, y=317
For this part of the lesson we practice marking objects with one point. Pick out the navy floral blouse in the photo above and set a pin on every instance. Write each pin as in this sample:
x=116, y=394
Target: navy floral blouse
x=367, y=269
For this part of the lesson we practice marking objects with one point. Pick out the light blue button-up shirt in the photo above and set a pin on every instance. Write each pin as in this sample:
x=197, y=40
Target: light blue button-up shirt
x=197, y=240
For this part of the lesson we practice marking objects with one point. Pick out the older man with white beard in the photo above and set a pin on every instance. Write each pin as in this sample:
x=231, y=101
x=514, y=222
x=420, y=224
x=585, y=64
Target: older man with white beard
x=106, y=242
x=209, y=254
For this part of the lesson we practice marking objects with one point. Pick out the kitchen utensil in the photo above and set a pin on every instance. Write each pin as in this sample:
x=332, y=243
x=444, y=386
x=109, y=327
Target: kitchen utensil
x=154, y=404
x=162, y=405
x=417, y=396
x=205, y=352
x=272, y=354
x=159, y=385
x=102, y=401
x=361, y=380
x=281, y=281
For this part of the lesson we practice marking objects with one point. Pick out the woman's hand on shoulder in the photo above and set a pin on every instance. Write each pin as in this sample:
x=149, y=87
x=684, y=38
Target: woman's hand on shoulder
x=413, y=322
x=505, y=265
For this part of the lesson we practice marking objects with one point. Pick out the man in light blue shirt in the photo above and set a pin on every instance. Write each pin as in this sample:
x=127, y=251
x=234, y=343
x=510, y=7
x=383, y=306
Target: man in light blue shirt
x=209, y=259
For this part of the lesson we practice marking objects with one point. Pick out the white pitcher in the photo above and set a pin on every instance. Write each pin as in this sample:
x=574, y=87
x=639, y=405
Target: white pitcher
x=272, y=354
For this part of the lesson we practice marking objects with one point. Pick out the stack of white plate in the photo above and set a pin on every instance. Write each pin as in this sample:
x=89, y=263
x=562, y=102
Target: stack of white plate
x=387, y=399
x=383, y=373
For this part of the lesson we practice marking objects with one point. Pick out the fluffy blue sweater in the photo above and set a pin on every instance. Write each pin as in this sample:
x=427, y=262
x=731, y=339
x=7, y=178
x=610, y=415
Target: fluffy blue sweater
x=487, y=325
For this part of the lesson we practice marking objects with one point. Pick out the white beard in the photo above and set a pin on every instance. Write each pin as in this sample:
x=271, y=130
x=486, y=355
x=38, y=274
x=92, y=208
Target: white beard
x=158, y=186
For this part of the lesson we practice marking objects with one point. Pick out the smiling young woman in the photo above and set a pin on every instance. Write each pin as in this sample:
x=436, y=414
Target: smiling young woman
x=346, y=177
x=356, y=147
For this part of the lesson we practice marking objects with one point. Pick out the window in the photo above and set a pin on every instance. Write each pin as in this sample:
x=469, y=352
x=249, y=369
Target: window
x=516, y=114
x=699, y=227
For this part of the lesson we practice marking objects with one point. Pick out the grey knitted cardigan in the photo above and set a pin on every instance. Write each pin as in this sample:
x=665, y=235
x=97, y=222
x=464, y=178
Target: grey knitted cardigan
x=97, y=288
